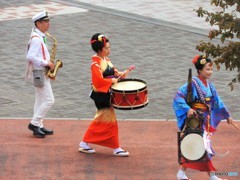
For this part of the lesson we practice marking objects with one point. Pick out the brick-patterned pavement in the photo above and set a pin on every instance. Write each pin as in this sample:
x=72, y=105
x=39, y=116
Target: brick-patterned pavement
x=26, y=11
x=160, y=49
x=162, y=56
x=179, y=12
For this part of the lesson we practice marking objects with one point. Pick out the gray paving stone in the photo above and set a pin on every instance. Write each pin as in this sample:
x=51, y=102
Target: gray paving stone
x=162, y=57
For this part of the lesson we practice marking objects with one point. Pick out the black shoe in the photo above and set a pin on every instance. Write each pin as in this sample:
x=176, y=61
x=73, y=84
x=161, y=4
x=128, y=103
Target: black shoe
x=36, y=131
x=47, y=131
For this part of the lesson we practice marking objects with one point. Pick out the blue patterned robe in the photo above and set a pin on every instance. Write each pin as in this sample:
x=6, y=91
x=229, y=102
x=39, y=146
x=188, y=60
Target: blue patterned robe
x=218, y=109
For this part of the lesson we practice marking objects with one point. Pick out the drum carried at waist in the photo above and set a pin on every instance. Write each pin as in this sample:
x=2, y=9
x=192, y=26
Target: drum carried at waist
x=129, y=94
x=194, y=122
x=192, y=147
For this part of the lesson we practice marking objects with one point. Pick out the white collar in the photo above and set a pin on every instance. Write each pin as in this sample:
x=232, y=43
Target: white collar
x=39, y=32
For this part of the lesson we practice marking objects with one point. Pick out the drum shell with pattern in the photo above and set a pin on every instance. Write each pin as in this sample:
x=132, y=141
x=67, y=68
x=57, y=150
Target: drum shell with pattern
x=129, y=94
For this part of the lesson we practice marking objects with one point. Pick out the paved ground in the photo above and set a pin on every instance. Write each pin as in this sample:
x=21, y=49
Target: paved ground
x=160, y=51
x=160, y=43
x=178, y=12
x=181, y=12
x=152, y=147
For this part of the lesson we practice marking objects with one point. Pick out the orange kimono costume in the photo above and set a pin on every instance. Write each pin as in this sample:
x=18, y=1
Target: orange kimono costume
x=103, y=130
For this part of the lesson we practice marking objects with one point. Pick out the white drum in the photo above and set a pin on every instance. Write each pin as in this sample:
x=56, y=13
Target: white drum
x=192, y=147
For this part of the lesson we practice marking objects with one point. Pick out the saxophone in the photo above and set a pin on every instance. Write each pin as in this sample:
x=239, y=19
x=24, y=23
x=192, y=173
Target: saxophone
x=52, y=73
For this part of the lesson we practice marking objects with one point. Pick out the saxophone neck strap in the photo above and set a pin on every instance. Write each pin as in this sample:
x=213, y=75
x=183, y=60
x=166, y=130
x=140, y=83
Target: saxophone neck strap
x=43, y=51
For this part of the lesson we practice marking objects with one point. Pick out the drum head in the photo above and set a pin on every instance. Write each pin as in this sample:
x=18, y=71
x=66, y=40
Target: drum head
x=192, y=147
x=129, y=85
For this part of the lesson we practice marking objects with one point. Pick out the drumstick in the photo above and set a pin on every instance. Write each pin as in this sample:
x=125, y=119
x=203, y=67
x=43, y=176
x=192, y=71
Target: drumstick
x=235, y=125
x=222, y=155
x=128, y=69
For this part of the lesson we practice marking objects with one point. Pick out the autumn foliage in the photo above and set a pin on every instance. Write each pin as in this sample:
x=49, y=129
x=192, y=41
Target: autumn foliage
x=226, y=26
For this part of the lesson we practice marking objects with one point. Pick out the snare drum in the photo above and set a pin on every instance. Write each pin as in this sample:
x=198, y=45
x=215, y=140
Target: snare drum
x=129, y=94
x=192, y=147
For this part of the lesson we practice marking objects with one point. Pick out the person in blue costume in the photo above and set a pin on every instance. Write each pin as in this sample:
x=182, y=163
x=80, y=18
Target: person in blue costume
x=205, y=100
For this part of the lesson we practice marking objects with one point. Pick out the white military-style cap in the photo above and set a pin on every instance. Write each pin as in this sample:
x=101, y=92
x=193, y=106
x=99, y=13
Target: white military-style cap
x=40, y=16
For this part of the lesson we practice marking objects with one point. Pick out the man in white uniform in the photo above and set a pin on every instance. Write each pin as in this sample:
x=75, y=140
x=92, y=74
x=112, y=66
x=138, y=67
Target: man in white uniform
x=38, y=59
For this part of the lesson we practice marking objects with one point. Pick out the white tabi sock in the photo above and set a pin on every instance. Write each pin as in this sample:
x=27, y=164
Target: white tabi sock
x=117, y=150
x=84, y=145
x=214, y=177
x=181, y=174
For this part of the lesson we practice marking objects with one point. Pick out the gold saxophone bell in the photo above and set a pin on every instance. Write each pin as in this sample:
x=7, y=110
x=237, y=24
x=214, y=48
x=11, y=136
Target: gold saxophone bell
x=53, y=73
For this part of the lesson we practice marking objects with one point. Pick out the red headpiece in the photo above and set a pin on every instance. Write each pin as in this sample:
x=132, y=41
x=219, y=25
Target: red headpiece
x=101, y=38
x=194, y=60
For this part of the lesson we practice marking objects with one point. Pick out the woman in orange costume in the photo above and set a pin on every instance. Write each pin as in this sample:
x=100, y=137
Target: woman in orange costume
x=103, y=130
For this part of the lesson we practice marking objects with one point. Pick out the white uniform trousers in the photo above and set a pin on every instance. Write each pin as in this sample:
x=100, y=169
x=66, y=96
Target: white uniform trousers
x=44, y=100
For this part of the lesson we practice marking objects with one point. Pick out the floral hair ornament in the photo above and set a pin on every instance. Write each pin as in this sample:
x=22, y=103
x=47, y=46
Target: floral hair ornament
x=203, y=60
x=101, y=38
x=194, y=60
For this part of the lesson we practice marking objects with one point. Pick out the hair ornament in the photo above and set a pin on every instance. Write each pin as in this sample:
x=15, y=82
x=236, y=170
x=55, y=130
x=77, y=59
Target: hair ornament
x=93, y=41
x=101, y=38
x=194, y=60
x=203, y=61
